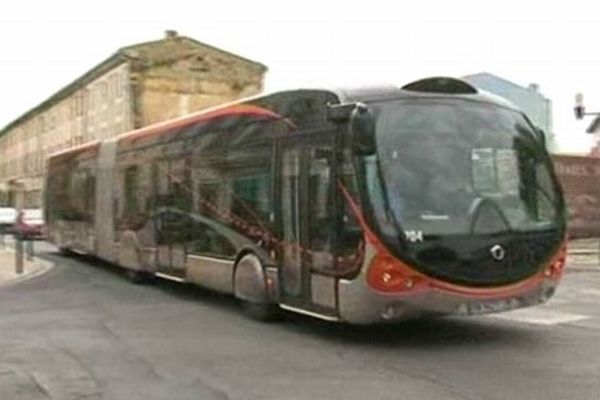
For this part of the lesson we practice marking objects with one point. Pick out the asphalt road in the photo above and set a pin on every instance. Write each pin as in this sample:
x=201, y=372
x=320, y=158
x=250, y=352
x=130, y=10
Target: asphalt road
x=82, y=331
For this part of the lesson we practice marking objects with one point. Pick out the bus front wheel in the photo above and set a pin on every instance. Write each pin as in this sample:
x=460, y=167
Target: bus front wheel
x=250, y=289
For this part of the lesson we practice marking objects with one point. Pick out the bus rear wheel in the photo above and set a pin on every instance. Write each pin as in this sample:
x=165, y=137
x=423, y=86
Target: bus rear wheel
x=250, y=288
x=136, y=276
x=65, y=251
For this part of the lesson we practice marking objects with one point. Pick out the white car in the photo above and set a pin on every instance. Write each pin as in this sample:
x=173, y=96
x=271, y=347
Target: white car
x=8, y=217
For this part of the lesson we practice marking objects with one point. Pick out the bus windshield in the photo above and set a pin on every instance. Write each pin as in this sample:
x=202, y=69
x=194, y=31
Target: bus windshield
x=448, y=169
x=444, y=165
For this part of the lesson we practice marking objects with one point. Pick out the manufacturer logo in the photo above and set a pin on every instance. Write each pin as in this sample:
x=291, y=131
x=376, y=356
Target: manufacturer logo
x=498, y=253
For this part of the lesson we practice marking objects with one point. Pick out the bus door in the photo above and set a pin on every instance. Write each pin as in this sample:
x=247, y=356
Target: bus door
x=308, y=225
x=172, y=219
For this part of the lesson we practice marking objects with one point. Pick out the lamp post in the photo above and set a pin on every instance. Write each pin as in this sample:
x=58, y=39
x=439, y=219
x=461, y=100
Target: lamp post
x=579, y=114
x=580, y=108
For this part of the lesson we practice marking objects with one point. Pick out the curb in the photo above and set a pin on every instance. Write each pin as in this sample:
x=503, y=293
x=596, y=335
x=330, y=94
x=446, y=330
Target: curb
x=40, y=268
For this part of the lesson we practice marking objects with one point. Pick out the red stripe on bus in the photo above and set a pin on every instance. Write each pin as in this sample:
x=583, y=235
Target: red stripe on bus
x=164, y=127
x=74, y=151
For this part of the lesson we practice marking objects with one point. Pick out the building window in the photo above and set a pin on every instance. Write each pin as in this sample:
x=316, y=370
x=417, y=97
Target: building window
x=104, y=92
x=113, y=86
x=79, y=104
x=120, y=81
x=89, y=95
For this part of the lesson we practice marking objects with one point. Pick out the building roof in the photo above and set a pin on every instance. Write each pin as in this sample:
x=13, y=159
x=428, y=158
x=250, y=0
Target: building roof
x=532, y=88
x=492, y=76
x=174, y=48
x=594, y=126
x=163, y=51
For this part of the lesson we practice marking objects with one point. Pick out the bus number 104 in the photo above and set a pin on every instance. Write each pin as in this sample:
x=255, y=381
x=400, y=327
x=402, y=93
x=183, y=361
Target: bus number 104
x=414, y=236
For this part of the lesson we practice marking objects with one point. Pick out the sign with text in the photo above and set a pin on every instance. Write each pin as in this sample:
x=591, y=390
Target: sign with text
x=580, y=179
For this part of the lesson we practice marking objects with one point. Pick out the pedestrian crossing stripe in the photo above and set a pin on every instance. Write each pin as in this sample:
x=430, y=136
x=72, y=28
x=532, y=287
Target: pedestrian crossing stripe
x=590, y=292
x=540, y=316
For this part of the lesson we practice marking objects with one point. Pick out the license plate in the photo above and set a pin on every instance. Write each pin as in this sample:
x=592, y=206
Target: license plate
x=489, y=307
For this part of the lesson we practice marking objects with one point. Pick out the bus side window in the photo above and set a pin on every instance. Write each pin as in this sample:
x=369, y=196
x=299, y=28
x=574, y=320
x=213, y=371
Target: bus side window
x=350, y=241
x=180, y=192
x=90, y=194
x=251, y=195
x=173, y=227
x=206, y=240
x=135, y=196
x=161, y=182
x=249, y=172
x=130, y=190
x=81, y=196
x=208, y=199
x=321, y=213
x=320, y=195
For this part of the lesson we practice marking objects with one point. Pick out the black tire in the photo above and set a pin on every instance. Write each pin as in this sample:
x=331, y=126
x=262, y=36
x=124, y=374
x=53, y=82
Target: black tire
x=264, y=312
x=65, y=251
x=261, y=311
x=136, y=276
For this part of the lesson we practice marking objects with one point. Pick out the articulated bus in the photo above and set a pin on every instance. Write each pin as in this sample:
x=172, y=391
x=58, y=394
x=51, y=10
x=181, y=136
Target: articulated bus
x=359, y=205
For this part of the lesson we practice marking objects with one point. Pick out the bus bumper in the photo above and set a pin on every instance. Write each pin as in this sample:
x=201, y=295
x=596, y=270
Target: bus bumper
x=360, y=304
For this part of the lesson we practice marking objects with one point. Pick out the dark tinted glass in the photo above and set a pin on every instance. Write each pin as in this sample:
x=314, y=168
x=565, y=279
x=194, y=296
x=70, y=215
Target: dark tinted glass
x=71, y=190
x=453, y=178
x=438, y=161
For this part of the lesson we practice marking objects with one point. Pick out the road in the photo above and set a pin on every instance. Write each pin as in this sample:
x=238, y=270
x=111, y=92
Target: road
x=82, y=331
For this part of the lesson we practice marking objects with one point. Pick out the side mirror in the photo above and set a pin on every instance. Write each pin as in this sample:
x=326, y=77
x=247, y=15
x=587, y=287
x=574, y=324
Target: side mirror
x=362, y=130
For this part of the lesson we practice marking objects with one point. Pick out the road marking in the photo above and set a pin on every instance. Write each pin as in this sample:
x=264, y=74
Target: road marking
x=575, y=297
x=540, y=316
x=590, y=292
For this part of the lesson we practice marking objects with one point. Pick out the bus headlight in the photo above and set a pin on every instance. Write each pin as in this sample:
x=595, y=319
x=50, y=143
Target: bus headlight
x=389, y=275
x=556, y=267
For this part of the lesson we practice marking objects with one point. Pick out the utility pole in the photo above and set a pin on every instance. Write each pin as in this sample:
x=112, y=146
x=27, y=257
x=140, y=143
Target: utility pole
x=19, y=256
x=579, y=114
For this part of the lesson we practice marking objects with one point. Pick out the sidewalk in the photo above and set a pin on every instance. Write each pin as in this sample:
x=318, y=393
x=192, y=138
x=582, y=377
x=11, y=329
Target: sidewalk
x=8, y=275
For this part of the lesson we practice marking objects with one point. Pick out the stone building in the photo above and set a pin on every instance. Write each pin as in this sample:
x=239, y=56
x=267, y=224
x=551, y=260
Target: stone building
x=137, y=86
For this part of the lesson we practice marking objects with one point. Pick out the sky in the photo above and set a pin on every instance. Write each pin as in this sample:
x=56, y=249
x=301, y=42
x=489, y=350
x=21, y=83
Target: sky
x=48, y=44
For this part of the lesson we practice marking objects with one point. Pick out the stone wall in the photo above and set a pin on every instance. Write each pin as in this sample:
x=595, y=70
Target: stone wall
x=189, y=85
x=580, y=179
x=138, y=86
x=98, y=110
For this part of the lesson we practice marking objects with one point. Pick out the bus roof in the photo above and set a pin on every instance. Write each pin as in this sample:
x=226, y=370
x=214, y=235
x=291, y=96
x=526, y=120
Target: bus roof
x=463, y=90
x=365, y=94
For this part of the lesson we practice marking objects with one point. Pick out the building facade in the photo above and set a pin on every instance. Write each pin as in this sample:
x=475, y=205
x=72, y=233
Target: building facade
x=137, y=86
x=579, y=177
x=529, y=99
